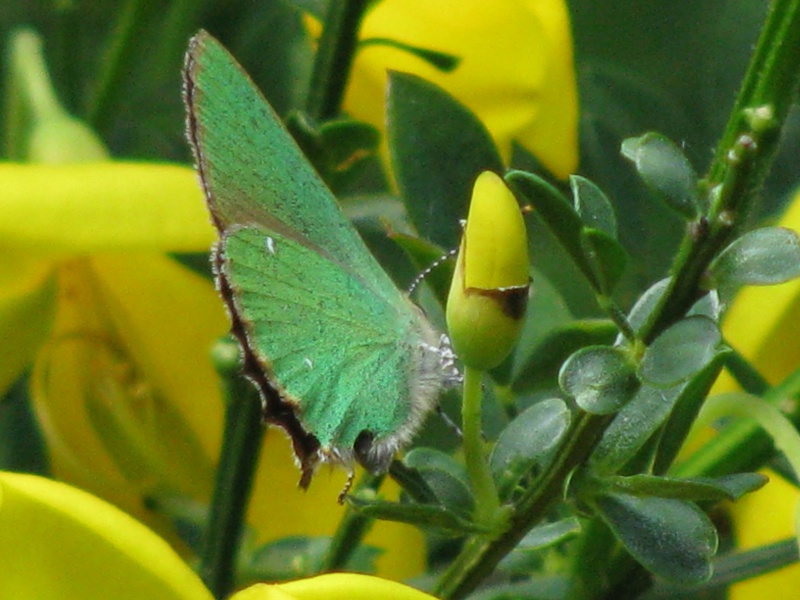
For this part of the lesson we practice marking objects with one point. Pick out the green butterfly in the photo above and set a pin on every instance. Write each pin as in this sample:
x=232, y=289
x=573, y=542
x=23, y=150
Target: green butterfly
x=344, y=361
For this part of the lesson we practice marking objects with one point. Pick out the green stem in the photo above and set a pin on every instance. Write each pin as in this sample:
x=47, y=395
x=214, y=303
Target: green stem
x=741, y=161
x=480, y=556
x=487, y=502
x=241, y=446
x=334, y=58
x=616, y=314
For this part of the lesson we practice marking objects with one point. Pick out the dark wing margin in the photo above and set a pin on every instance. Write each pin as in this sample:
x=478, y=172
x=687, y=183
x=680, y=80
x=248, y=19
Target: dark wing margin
x=276, y=409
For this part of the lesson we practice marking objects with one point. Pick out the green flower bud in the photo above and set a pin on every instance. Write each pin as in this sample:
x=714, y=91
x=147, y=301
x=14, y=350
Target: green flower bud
x=489, y=293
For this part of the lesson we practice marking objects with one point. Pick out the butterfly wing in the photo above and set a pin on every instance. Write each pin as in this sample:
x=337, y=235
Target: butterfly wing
x=354, y=367
x=252, y=171
x=345, y=363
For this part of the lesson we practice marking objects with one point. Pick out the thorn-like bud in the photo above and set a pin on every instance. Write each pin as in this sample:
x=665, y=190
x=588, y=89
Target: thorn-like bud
x=489, y=293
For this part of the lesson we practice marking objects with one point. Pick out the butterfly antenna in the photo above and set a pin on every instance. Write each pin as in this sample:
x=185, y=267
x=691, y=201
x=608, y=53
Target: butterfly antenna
x=449, y=422
x=351, y=475
x=427, y=271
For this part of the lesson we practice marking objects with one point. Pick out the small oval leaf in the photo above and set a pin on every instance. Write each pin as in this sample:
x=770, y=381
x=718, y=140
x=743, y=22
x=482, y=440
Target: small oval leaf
x=445, y=476
x=555, y=211
x=527, y=442
x=635, y=424
x=730, y=487
x=681, y=351
x=539, y=368
x=765, y=256
x=605, y=256
x=672, y=538
x=665, y=170
x=593, y=206
x=600, y=378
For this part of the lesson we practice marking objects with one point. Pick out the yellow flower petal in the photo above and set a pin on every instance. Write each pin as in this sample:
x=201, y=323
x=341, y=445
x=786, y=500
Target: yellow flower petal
x=102, y=207
x=516, y=71
x=263, y=591
x=333, y=586
x=27, y=300
x=59, y=542
x=125, y=391
x=765, y=517
x=496, y=255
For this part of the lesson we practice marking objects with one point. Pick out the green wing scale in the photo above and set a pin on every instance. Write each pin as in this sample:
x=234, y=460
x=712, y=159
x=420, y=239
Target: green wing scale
x=344, y=361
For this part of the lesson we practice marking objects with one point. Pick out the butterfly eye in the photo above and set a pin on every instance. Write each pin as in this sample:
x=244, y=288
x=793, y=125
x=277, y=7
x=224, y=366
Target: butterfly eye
x=375, y=458
x=363, y=447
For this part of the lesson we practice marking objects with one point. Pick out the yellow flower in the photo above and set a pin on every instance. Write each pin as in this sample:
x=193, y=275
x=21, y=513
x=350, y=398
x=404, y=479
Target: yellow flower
x=57, y=541
x=117, y=332
x=333, y=586
x=516, y=70
x=763, y=324
x=489, y=293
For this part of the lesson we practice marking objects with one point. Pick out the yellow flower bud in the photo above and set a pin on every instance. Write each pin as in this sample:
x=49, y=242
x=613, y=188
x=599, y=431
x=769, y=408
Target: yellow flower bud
x=489, y=293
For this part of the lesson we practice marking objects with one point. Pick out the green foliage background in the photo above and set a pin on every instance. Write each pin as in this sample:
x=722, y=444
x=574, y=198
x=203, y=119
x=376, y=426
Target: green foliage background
x=641, y=65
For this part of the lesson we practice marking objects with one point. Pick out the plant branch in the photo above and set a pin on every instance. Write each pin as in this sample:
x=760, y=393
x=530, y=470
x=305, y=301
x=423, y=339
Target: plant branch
x=334, y=58
x=741, y=161
x=241, y=447
x=479, y=557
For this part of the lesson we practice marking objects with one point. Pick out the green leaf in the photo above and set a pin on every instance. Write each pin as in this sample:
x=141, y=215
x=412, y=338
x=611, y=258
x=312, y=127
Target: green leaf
x=435, y=516
x=632, y=427
x=600, y=378
x=665, y=170
x=335, y=147
x=526, y=556
x=730, y=487
x=438, y=148
x=765, y=256
x=647, y=303
x=592, y=205
x=529, y=442
x=445, y=476
x=440, y=60
x=412, y=482
x=549, y=534
x=346, y=141
x=540, y=366
x=680, y=351
x=555, y=212
x=605, y=256
x=673, y=539
x=687, y=406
